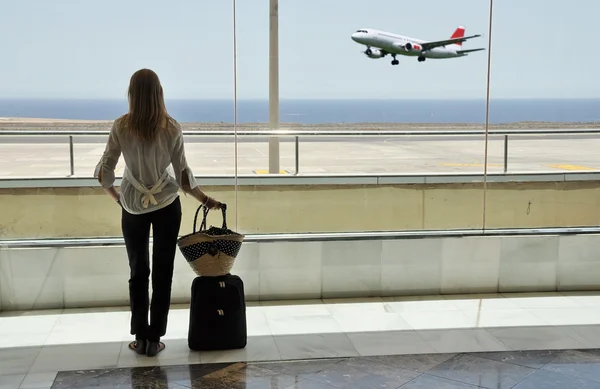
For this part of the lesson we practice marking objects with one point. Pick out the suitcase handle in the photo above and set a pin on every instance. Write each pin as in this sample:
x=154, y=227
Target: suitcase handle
x=205, y=214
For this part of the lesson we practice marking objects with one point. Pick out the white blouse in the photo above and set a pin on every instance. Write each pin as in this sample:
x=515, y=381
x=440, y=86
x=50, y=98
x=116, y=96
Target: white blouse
x=149, y=182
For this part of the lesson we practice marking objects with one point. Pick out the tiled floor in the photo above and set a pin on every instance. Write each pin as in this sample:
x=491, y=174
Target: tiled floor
x=572, y=369
x=35, y=346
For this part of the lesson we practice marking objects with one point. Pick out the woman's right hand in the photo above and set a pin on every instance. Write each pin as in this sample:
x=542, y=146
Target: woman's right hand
x=212, y=203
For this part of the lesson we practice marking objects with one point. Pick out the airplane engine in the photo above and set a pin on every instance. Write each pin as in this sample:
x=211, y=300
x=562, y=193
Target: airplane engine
x=374, y=53
x=412, y=47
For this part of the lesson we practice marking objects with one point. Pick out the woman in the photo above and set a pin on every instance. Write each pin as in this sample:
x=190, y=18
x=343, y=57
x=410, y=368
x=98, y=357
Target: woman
x=150, y=141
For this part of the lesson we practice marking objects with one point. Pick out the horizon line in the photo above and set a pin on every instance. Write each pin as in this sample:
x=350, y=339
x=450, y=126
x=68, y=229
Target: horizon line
x=306, y=98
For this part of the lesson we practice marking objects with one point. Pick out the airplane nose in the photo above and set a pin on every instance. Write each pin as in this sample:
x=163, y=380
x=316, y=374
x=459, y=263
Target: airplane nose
x=354, y=36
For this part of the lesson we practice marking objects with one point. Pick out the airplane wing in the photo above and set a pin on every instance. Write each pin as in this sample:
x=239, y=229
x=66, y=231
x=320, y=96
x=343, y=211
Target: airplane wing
x=468, y=51
x=431, y=45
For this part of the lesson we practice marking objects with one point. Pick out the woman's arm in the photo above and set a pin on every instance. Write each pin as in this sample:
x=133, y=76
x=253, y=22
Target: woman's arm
x=112, y=191
x=184, y=176
x=105, y=170
x=207, y=201
x=195, y=191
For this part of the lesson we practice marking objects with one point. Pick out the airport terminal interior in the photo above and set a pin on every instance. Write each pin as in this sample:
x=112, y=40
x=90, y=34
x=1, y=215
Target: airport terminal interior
x=401, y=212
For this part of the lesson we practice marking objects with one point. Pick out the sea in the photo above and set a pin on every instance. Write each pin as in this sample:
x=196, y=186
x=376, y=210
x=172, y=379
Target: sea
x=323, y=111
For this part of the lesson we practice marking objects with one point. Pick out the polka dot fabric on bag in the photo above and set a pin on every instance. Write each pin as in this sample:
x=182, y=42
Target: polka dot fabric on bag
x=197, y=250
x=211, y=251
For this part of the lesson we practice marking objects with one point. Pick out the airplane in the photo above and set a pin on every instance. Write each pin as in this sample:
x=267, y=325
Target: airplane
x=381, y=43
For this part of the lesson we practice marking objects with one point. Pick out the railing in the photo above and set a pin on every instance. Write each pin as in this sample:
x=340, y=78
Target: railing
x=320, y=133
x=318, y=237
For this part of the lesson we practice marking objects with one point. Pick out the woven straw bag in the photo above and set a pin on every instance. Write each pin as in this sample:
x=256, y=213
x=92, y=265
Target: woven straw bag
x=211, y=252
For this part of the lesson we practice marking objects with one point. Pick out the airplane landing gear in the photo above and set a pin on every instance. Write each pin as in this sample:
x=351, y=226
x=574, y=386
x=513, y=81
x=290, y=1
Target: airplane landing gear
x=395, y=61
x=421, y=58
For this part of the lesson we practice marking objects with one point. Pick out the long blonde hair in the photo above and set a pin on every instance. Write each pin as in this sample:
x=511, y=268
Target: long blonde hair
x=147, y=110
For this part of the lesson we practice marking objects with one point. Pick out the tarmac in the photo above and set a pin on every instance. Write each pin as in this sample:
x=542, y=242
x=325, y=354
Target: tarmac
x=27, y=156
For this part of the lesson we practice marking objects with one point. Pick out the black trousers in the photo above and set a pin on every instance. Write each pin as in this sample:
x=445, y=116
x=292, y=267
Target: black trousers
x=165, y=224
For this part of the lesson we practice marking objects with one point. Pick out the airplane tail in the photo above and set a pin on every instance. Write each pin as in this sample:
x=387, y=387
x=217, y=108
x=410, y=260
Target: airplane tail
x=458, y=33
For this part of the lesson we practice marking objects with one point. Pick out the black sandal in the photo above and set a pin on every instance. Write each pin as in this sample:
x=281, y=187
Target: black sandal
x=154, y=348
x=139, y=346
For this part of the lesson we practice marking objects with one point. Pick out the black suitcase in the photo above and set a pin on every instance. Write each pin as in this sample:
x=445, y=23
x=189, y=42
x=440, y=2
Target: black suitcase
x=217, y=314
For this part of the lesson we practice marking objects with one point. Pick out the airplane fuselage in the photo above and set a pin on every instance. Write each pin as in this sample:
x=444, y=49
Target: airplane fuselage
x=381, y=43
x=396, y=44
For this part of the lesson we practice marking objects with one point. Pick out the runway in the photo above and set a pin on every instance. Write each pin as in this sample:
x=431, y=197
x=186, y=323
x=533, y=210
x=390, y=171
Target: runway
x=93, y=139
x=48, y=156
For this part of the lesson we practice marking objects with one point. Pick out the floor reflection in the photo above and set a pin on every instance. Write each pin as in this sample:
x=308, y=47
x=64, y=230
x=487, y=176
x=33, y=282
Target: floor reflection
x=514, y=369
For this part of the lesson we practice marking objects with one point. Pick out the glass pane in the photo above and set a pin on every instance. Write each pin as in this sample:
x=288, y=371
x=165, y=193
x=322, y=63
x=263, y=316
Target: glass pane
x=537, y=86
x=388, y=144
x=67, y=67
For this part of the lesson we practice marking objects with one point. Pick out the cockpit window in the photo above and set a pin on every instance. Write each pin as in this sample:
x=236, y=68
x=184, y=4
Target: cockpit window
x=365, y=31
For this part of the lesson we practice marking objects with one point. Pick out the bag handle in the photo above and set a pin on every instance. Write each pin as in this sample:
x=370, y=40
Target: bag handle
x=205, y=214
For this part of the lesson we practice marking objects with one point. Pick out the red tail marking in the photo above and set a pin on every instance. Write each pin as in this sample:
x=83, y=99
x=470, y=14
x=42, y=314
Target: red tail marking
x=458, y=33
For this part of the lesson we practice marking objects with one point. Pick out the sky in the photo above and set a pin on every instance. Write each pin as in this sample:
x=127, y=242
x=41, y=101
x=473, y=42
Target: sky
x=88, y=49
